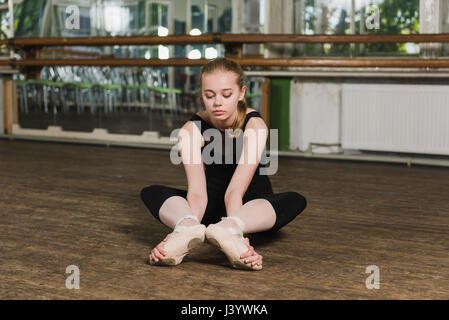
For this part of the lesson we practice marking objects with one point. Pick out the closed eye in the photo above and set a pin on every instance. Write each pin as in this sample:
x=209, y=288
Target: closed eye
x=210, y=97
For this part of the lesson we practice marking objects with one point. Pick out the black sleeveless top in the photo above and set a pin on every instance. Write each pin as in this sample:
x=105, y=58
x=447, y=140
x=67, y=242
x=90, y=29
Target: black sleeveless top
x=221, y=159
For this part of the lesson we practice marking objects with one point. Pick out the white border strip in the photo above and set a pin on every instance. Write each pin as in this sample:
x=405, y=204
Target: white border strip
x=100, y=135
x=407, y=160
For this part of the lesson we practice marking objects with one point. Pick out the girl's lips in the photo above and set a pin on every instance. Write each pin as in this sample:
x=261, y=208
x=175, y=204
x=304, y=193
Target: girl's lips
x=219, y=112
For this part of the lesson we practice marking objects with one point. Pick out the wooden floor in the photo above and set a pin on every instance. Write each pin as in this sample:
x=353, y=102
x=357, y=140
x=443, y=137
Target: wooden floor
x=63, y=204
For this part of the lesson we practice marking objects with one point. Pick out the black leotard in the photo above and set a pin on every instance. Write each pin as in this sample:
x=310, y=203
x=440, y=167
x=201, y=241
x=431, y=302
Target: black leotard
x=287, y=205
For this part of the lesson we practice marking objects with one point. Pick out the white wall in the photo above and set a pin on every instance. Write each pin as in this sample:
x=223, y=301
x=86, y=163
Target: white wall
x=391, y=117
x=314, y=115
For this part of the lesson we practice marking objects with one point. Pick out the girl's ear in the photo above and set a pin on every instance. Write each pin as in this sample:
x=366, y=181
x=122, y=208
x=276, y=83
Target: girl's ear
x=242, y=93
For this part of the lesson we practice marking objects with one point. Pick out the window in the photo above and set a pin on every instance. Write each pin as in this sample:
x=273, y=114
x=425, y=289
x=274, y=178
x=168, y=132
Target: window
x=4, y=31
x=211, y=50
x=445, y=25
x=120, y=20
x=158, y=19
x=28, y=18
x=254, y=17
x=356, y=17
x=159, y=23
x=211, y=18
x=4, y=24
x=253, y=22
x=197, y=28
x=60, y=17
x=395, y=17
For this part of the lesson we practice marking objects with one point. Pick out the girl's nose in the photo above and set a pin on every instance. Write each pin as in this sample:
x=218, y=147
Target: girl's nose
x=218, y=100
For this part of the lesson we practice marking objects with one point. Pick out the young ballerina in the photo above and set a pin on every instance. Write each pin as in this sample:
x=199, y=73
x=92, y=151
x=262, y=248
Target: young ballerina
x=224, y=201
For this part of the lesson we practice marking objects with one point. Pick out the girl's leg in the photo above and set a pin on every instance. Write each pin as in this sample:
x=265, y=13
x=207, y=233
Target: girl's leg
x=262, y=215
x=169, y=205
x=257, y=215
x=176, y=209
x=175, y=212
x=254, y=216
x=171, y=208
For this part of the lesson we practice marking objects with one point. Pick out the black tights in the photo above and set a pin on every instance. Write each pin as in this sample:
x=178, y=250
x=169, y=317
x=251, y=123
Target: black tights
x=287, y=205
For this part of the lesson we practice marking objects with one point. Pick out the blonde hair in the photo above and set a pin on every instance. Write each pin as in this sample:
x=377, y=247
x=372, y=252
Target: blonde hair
x=223, y=64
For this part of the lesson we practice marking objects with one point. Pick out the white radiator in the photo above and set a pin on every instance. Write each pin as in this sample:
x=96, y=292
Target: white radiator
x=397, y=118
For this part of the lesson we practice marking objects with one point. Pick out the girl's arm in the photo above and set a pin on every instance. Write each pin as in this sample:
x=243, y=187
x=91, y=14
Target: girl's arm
x=190, y=142
x=254, y=140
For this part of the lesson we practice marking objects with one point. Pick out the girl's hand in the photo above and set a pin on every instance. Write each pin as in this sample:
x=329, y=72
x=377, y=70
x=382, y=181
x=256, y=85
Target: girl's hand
x=251, y=256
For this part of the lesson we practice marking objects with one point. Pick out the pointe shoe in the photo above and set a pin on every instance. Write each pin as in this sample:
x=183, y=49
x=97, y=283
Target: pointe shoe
x=179, y=243
x=231, y=242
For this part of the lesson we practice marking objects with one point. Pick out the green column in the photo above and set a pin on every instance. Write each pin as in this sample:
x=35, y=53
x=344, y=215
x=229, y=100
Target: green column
x=280, y=110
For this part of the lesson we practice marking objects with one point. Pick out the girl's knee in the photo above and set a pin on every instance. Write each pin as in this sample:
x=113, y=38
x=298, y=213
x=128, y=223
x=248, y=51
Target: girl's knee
x=149, y=191
x=299, y=200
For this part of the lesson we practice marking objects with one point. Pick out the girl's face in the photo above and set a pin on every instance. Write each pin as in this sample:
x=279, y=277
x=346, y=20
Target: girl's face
x=221, y=94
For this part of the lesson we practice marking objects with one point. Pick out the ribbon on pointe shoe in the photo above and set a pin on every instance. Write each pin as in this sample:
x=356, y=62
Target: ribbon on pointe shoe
x=239, y=222
x=179, y=228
